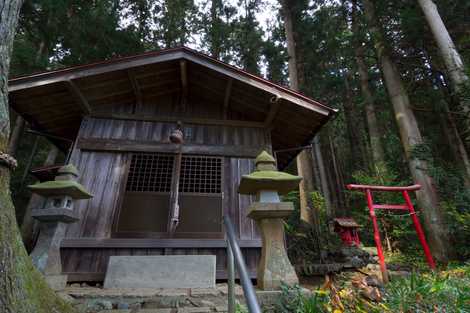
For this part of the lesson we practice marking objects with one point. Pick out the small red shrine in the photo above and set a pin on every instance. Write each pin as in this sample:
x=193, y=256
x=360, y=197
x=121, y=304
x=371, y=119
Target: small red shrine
x=346, y=228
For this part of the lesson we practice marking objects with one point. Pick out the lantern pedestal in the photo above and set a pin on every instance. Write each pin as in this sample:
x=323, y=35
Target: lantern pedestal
x=274, y=267
x=46, y=254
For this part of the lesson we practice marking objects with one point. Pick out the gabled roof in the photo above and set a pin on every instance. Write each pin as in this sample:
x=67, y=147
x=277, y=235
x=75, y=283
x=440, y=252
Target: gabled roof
x=55, y=101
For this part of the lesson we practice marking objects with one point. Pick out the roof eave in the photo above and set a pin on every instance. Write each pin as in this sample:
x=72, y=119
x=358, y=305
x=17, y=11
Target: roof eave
x=123, y=63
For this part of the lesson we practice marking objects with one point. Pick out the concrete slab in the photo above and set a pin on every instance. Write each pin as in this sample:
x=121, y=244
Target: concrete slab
x=161, y=271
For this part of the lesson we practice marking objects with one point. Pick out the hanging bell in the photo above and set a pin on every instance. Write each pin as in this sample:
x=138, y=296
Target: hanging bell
x=177, y=136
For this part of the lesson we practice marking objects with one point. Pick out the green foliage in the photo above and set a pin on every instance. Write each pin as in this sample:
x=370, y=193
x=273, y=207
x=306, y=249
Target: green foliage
x=412, y=259
x=241, y=309
x=455, y=196
x=447, y=291
x=294, y=300
x=301, y=239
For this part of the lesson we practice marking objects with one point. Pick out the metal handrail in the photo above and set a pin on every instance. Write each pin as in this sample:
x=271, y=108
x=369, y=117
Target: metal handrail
x=235, y=257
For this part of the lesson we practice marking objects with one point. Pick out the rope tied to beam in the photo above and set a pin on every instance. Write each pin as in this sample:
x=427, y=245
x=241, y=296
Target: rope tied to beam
x=8, y=161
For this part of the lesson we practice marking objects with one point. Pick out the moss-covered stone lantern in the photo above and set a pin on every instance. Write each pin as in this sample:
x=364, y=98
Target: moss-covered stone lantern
x=55, y=213
x=266, y=182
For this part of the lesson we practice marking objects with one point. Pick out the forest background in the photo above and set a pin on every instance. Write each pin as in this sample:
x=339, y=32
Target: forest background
x=339, y=51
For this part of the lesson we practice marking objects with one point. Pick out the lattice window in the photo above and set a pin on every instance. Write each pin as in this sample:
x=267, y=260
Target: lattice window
x=201, y=174
x=150, y=172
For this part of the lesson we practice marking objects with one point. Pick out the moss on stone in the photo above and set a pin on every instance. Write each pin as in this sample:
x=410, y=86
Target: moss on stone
x=68, y=169
x=264, y=157
x=268, y=180
x=61, y=188
x=272, y=175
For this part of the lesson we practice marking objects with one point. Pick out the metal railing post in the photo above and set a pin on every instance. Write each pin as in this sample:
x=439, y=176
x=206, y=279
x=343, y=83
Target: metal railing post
x=231, y=279
x=248, y=290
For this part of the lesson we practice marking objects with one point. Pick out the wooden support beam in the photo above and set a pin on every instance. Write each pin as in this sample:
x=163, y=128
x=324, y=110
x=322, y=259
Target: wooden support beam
x=275, y=104
x=135, y=88
x=228, y=92
x=79, y=97
x=125, y=145
x=184, y=84
x=163, y=119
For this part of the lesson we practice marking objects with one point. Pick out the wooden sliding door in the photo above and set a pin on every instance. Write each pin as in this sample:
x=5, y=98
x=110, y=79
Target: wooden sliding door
x=145, y=207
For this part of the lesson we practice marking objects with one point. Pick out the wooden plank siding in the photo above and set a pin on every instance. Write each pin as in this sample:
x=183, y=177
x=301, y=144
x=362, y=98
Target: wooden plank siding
x=103, y=173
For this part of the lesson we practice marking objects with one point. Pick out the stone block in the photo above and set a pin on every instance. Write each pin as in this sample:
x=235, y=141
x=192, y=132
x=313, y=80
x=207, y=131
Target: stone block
x=168, y=271
x=55, y=215
x=259, y=210
x=56, y=282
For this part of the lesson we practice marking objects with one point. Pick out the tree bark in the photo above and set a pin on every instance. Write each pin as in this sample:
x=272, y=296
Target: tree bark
x=214, y=32
x=22, y=287
x=378, y=154
x=352, y=125
x=16, y=135
x=410, y=137
x=449, y=127
x=303, y=167
x=28, y=227
x=303, y=161
x=339, y=181
x=296, y=81
x=324, y=188
x=447, y=49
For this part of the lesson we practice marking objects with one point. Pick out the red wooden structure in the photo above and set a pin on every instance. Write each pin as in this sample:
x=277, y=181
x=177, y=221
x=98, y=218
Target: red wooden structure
x=408, y=206
x=346, y=228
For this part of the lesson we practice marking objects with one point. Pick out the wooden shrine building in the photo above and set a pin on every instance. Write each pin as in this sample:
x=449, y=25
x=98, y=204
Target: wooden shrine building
x=116, y=118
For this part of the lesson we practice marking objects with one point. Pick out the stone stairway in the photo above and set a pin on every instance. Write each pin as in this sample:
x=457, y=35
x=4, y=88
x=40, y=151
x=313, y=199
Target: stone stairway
x=145, y=300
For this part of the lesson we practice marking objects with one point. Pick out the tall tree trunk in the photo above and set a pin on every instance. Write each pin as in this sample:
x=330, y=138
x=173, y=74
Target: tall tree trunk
x=28, y=230
x=449, y=127
x=339, y=181
x=410, y=137
x=296, y=80
x=304, y=162
x=447, y=49
x=352, y=125
x=22, y=287
x=452, y=59
x=215, y=29
x=324, y=188
x=16, y=135
x=378, y=154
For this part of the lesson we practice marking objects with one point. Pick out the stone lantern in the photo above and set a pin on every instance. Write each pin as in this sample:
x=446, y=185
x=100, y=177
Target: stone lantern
x=266, y=182
x=56, y=212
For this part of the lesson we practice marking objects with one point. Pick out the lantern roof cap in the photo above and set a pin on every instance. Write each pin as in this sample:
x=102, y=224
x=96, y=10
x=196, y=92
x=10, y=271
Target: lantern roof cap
x=267, y=178
x=264, y=157
x=68, y=169
x=61, y=188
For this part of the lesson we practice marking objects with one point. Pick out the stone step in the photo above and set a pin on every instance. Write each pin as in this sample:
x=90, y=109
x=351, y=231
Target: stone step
x=179, y=310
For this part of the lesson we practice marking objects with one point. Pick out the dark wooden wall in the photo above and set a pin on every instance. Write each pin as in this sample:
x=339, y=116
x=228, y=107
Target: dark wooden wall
x=88, y=243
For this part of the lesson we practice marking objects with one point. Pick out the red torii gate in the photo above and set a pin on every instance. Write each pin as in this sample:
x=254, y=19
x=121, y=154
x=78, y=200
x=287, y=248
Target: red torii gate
x=408, y=206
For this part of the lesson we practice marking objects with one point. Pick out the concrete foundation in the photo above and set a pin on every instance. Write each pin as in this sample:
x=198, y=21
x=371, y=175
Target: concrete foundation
x=168, y=271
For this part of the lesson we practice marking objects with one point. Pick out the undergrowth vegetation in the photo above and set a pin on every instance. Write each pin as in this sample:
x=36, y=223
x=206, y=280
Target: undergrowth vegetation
x=447, y=291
